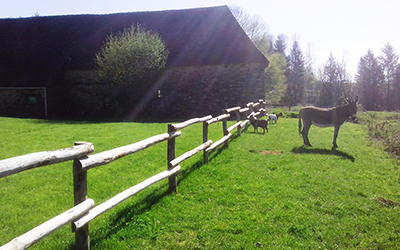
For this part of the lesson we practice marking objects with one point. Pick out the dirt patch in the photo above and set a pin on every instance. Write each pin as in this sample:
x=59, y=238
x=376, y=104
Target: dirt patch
x=387, y=202
x=270, y=152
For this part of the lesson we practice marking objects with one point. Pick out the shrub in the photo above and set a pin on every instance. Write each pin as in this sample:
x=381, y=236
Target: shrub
x=131, y=56
x=384, y=128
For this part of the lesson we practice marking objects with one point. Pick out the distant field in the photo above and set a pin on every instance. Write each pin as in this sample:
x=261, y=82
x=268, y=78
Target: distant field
x=264, y=192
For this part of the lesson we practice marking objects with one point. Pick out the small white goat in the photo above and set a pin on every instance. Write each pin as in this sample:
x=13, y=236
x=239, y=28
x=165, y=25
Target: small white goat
x=272, y=118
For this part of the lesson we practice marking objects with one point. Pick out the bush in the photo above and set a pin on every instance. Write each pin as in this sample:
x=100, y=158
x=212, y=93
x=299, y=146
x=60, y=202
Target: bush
x=383, y=127
x=131, y=56
x=129, y=63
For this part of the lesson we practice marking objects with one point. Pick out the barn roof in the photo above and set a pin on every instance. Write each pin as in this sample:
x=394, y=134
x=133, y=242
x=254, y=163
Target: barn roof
x=34, y=50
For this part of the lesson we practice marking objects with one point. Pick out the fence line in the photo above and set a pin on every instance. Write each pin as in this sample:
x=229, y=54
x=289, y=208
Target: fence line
x=24, y=162
x=84, y=211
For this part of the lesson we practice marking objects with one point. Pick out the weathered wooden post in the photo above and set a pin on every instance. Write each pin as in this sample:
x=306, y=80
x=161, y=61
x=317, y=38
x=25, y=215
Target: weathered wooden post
x=82, y=240
x=238, y=120
x=225, y=129
x=170, y=157
x=250, y=106
x=205, y=139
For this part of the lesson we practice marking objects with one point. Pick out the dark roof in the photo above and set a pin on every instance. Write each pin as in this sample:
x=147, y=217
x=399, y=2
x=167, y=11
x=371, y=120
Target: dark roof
x=33, y=50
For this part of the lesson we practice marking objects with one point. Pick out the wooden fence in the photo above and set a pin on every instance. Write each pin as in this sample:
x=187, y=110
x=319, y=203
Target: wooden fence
x=84, y=211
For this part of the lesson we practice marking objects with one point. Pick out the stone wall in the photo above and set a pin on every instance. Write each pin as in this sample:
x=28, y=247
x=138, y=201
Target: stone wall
x=202, y=90
x=22, y=103
x=180, y=92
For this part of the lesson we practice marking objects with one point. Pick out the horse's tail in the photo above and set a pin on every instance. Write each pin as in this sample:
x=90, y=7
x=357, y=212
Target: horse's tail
x=300, y=122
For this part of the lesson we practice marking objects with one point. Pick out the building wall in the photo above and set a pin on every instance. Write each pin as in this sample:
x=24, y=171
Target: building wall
x=22, y=103
x=180, y=92
x=202, y=90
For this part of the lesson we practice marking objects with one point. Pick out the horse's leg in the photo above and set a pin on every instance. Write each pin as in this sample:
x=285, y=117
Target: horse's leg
x=304, y=132
x=335, y=134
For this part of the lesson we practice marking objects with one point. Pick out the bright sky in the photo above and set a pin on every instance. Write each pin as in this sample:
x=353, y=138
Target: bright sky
x=345, y=28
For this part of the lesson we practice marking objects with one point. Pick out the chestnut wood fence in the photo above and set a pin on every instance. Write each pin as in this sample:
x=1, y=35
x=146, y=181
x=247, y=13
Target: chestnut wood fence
x=84, y=211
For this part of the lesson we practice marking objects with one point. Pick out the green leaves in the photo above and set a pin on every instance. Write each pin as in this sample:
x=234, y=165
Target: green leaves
x=131, y=56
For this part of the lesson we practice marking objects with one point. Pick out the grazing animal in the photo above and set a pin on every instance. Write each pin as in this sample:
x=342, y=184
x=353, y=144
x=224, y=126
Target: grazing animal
x=279, y=115
x=259, y=123
x=328, y=117
x=272, y=118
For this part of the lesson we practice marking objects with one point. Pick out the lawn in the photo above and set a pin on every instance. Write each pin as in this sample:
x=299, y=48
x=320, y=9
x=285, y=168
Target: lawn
x=263, y=192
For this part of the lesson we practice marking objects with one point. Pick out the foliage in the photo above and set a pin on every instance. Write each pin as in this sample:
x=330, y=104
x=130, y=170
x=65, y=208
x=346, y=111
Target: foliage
x=129, y=63
x=280, y=45
x=131, y=56
x=389, y=62
x=378, y=80
x=295, y=76
x=383, y=128
x=275, y=79
x=369, y=82
x=334, y=79
x=265, y=191
x=256, y=29
x=377, y=84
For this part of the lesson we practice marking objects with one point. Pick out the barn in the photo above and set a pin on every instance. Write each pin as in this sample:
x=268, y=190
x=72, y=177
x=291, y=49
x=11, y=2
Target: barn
x=47, y=64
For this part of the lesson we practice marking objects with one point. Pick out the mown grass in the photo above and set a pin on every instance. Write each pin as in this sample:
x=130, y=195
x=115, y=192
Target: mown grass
x=264, y=192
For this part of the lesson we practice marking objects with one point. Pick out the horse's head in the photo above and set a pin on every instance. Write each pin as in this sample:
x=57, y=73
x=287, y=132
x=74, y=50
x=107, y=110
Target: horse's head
x=352, y=107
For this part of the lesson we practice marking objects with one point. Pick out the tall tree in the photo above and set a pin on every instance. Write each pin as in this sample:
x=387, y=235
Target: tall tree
x=397, y=87
x=334, y=80
x=280, y=44
x=275, y=79
x=311, y=85
x=389, y=60
x=369, y=80
x=295, y=76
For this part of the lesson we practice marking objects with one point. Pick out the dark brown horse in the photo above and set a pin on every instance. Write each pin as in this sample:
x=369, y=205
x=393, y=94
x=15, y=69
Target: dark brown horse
x=326, y=118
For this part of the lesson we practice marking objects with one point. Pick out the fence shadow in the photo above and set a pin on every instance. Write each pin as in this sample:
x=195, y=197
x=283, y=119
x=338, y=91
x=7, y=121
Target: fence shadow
x=333, y=151
x=129, y=214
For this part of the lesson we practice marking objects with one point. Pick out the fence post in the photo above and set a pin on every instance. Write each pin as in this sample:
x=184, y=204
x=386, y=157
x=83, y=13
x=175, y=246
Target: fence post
x=205, y=139
x=225, y=129
x=170, y=157
x=238, y=120
x=251, y=108
x=82, y=241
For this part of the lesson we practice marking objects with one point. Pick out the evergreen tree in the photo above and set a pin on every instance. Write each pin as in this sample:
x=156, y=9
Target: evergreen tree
x=397, y=87
x=295, y=76
x=280, y=45
x=312, y=87
x=369, y=82
x=334, y=80
x=388, y=60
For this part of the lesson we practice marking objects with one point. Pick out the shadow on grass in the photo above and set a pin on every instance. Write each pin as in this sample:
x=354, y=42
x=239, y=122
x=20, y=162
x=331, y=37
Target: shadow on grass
x=128, y=216
x=333, y=151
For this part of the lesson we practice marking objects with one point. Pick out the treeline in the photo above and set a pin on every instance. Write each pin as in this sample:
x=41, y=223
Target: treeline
x=291, y=79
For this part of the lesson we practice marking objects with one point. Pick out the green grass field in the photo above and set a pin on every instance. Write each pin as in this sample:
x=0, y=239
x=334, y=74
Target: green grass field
x=264, y=192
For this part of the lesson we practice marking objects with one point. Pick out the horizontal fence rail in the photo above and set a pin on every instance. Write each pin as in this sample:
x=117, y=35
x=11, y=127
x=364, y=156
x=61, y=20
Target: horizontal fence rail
x=105, y=206
x=24, y=162
x=28, y=239
x=84, y=211
x=109, y=156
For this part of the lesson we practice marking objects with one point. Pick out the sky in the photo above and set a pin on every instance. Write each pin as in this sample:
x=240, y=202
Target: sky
x=345, y=28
